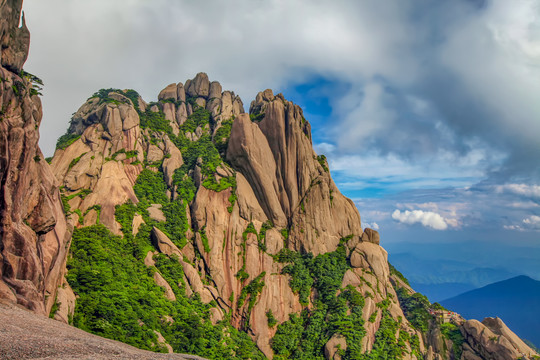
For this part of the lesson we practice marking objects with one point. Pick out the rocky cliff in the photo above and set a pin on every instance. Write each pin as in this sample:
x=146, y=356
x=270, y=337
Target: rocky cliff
x=250, y=212
x=200, y=228
x=34, y=234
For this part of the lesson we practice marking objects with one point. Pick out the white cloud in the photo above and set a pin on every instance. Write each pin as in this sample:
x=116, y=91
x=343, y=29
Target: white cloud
x=526, y=190
x=532, y=222
x=428, y=219
x=365, y=169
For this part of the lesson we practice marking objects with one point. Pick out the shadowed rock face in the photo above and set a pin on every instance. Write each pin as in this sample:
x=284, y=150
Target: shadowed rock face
x=34, y=234
x=14, y=40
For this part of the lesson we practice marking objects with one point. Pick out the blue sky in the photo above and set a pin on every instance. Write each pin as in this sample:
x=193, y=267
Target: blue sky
x=428, y=111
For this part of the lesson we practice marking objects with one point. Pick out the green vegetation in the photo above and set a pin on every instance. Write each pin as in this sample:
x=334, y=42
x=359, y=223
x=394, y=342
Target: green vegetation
x=65, y=140
x=272, y=321
x=37, y=83
x=54, y=308
x=103, y=96
x=324, y=272
x=155, y=121
x=385, y=346
x=75, y=161
x=452, y=332
x=118, y=299
x=151, y=188
x=322, y=160
x=256, y=115
x=261, y=238
x=415, y=307
x=18, y=88
x=252, y=291
x=221, y=138
x=394, y=271
x=199, y=117
x=204, y=240
x=304, y=336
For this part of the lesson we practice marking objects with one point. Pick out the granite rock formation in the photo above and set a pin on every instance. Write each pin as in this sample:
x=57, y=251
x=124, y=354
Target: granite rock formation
x=34, y=234
x=254, y=209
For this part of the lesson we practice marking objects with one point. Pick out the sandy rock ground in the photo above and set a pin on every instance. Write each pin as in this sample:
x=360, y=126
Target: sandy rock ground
x=25, y=335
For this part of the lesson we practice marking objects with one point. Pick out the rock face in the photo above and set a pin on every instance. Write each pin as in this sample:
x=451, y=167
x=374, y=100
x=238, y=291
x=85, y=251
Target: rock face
x=238, y=200
x=34, y=234
x=492, y=339
x=258, y=190
x=291, y=185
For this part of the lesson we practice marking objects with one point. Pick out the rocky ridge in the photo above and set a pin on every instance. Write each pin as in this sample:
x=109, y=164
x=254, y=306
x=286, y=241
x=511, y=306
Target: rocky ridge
x=34, y=234
x=268, y=195
x=230, y=215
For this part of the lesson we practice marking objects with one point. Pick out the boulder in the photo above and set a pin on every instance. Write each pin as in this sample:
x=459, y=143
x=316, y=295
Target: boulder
x=164, y=244
x=170, y=92
x=199, y=86
x=331, y=349
x=371, y=236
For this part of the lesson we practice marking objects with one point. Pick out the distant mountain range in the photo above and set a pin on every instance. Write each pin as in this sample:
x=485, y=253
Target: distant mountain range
x=516, y=301
x=441, y=279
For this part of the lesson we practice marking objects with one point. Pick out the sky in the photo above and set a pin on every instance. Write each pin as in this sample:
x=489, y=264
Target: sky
x=428, y=111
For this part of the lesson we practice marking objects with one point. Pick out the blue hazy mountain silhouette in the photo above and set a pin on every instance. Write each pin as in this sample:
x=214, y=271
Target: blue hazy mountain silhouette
x=516, y=301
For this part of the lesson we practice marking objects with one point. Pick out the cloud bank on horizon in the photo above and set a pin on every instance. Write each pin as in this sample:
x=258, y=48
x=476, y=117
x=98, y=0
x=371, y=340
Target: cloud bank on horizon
x=404, y=95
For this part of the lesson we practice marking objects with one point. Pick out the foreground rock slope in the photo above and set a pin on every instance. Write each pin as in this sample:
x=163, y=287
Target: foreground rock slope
x=23, y=335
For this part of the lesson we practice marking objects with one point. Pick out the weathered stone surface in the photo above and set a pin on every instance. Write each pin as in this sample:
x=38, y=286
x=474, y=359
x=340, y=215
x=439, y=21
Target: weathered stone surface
x=137, y=222
x=161, y=340
x=490, y=345
x=371, y=236
x=155, y=213
x=181, y=114
x=164, y=244
x=180, y=92
x=372, y=257
x=199, y=86
x=499, y=327
x=15, y=40
x=215, y=90
x=491, y=339
x=336, y=342
x=154, y=153
x=250, y=153
x=170, y=92
x=169, y=109
x=65, y=298
x=34, y=233
x=172, y=162
x=160, y=281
